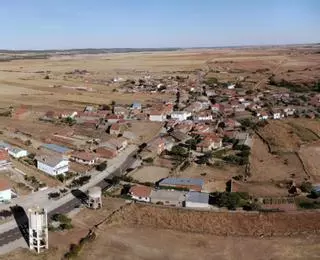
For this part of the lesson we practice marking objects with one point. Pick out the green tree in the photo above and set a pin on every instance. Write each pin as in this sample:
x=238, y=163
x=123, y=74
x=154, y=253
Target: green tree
x=179, y=150
x=306, y=186
x=60, y=177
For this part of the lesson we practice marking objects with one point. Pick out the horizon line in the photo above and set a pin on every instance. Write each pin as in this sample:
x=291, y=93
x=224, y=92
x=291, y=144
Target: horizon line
x=161, y=48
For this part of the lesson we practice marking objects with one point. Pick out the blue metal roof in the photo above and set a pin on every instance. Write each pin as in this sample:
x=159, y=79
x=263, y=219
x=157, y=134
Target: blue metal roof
x=4, y=145
x=200, y=197
x=56, y=148
x=182, y=181
x=316, y=188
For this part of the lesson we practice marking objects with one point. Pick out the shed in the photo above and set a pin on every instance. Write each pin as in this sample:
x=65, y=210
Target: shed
x=197, y=200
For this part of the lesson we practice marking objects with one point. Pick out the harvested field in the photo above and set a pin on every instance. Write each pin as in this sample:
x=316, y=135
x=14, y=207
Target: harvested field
x=219, y=223
x=150, y=174
x=310, y=155
x=280, y=137
x=136, y=243
x=265, y=166
x=288, y=135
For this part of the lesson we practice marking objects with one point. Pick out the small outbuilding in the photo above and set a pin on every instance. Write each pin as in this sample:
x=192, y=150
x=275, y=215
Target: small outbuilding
x=197, y=200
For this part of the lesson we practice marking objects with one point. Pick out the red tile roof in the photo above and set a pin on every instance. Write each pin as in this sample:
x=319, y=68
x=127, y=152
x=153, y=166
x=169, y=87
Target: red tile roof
x=4, y=156
x=140, y=191
x=4, y=185
x=84, y=156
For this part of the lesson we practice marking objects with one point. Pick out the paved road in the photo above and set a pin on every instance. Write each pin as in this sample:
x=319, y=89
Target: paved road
x=15, y=233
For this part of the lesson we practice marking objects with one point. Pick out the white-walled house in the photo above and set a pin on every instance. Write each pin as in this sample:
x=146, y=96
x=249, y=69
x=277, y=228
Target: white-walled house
x=180, y=115
x=140, y=193
x=52, y=165
x=277, y=114
x=289, y=111
x=17, y=152
x=5, y=191
x=262, y=115
x=157, y=116
x=203, y=117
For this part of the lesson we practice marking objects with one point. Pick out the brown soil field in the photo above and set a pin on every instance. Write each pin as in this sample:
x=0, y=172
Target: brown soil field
x=22, y=81
x=265, y=167
x=310, y=155
x=289, y=135
x=145, y=130
x=150, y=174
x=126, y=243
x=136, y=243
x=215, y=178
x=219, y=223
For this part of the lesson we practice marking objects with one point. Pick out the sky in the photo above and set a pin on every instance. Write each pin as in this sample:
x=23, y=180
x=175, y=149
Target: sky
x=65, y=24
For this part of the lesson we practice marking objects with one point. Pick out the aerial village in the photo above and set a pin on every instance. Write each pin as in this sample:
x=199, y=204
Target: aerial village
x=204, y=122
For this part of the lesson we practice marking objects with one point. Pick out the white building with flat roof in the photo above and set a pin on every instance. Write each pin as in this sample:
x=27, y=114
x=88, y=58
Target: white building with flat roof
x=52, y=165
x=180, y=115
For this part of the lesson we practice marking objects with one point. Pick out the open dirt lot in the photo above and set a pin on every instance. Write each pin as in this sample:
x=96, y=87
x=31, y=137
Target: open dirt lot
x=310, y=155
x=286, y=150
x=265, y=166
x=145, y=131
x=150, y=174
x=136, y=243
x=288, y=135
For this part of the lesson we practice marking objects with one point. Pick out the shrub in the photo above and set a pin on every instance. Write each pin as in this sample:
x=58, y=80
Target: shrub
x=61, y=218
x=148, y=160
x=309, y=205
x=101, y=167
x=53, y=195
x=306, y=186
x=179, y=150
x=185, y=165
x=60, y=177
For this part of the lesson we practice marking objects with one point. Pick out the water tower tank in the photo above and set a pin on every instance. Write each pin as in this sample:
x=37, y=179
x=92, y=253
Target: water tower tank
x=94, y=197
x=38, y=229
x=95, y=192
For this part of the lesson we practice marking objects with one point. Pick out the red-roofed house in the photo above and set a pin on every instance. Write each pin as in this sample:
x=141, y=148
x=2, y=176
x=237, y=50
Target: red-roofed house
x=209, y=143
x=140, y=193
x=115, y=129
x=218, y=108
x=106, y=152
x=5, y=190
x=4, y=159
x=84, y=158
x=157, y=115
x=114, y=118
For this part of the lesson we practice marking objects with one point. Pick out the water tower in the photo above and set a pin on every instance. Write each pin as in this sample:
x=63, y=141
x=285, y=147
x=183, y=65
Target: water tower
x=94, y=197
x=38, y=229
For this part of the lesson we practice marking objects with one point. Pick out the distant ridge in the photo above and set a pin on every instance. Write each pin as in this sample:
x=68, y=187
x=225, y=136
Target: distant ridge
x=124, y=50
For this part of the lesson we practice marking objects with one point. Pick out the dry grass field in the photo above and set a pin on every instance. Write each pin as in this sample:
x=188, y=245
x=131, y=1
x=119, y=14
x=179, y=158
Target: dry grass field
x=147, y=243
x=22, y=81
